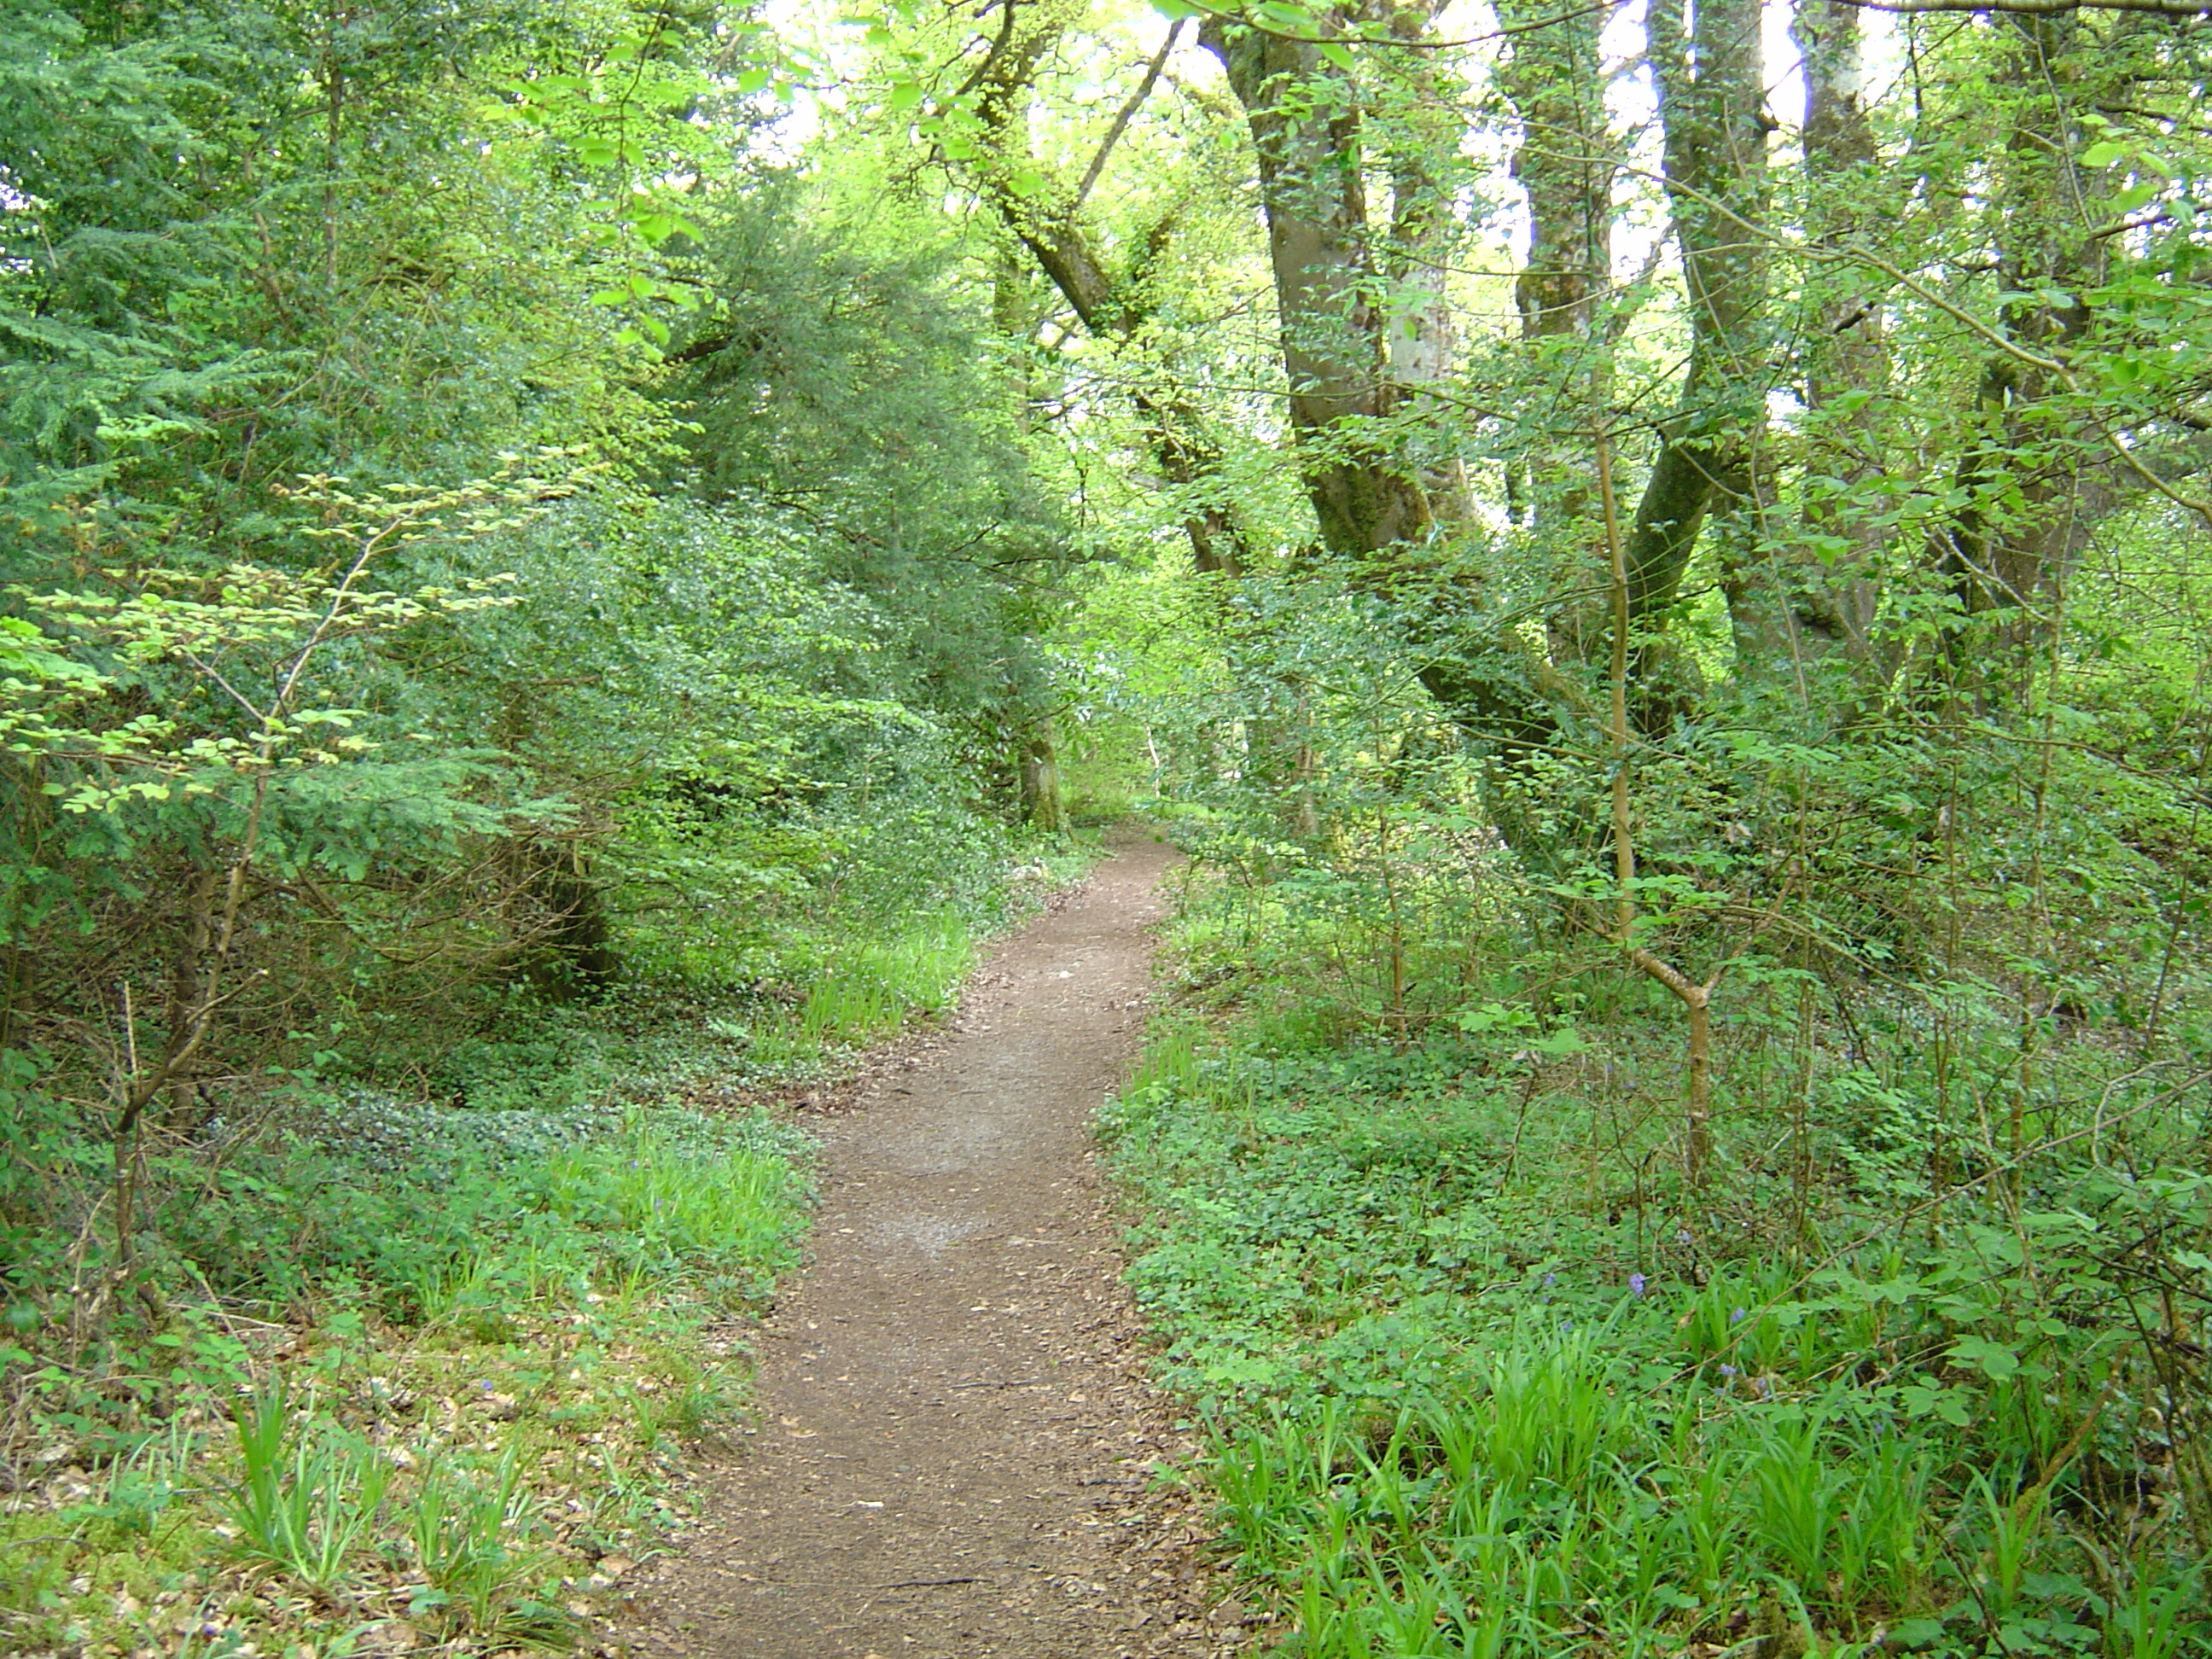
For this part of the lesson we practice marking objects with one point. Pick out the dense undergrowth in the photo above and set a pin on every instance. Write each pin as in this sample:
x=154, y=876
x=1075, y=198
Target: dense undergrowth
x=416, y=1343
x=1914, y=1367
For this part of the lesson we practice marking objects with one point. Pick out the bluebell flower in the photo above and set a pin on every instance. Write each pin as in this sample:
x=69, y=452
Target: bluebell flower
x=1736, y=1315
x=1636, y=1283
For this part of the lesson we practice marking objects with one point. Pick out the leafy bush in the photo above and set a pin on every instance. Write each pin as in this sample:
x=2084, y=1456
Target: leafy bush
x=1485, y=1377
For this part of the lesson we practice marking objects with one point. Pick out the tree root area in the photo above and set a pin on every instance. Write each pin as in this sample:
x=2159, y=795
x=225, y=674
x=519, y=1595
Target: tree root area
x=954, y=1446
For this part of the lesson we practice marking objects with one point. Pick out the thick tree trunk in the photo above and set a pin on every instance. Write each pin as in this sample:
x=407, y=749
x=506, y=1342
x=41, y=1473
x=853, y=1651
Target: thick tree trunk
x=1826, y=593
x=1308, y=133
x=563, y=937
x=1306, y=119
x=188, y=987
x=1420, y=139
x=2038, y=485
x=1711, y=103
x=1048, y=221
x=1565, y=161
x=1042, y=807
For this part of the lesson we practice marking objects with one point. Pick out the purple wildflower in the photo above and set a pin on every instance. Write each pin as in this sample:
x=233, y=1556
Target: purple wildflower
x=1736, y=1315
x=1728, y=1371
x=1636, y=1283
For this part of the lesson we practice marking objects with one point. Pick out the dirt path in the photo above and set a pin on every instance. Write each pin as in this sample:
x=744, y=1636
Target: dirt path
x=954, y=1434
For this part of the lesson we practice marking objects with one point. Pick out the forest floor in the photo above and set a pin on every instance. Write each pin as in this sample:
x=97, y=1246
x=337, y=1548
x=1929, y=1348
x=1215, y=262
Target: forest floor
x=955, y=1450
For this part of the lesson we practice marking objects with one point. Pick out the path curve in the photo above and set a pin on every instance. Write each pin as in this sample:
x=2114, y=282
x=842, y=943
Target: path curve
x=954, y=1436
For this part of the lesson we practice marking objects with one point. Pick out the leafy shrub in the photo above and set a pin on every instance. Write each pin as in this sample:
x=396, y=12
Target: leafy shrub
x=1479, y=1386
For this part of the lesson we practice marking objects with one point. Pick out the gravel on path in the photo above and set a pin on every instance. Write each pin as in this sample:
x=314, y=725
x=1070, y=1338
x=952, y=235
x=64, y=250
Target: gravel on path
x=955, y=1443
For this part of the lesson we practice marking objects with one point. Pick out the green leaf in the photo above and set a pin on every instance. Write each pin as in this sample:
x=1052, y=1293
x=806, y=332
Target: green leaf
x=1994, y=1360
x=904, y=96
x=2104, y=154
x=1953, y=1406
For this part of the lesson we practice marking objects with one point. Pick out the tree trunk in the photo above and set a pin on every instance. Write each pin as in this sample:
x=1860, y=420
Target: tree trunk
x=1827, y=591
x=1047, y=219
x=1420, y=141
x=1306, y=119
x=188, y=987
x=1555, y=77
x=1807, y=598
x=1042, y=806
x=566, y=938
x=2037, y=486
x=1711, y=94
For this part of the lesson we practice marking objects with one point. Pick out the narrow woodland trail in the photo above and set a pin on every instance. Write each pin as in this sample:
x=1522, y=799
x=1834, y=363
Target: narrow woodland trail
x=953, y=1431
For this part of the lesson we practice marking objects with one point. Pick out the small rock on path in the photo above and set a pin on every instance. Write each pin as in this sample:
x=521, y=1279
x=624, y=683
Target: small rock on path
x=954, y=1439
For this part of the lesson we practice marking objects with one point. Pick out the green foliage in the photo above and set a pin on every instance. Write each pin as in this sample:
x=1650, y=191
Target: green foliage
x=1485, y=1377
x=578, y=1258
x=305, y=1508
x=357, y=770
x=472, y=1541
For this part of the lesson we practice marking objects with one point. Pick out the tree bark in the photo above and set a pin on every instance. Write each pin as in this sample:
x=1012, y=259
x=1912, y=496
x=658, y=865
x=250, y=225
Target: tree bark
x=2037, y=484
x=1826, y=593
x=1048, y=221
x=1042, y=806
x=1565, y=162
x=1419, y=143
x=1306, y=120
x=1711, y=94
x=1308, y=126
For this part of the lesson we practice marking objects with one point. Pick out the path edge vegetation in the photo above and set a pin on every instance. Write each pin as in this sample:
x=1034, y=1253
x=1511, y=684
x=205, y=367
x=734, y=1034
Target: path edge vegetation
x=461, y=1434
x=1479, y=1370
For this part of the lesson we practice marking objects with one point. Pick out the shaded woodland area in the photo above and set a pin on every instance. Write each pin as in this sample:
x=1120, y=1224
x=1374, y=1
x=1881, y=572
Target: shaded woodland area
x=560, y=567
